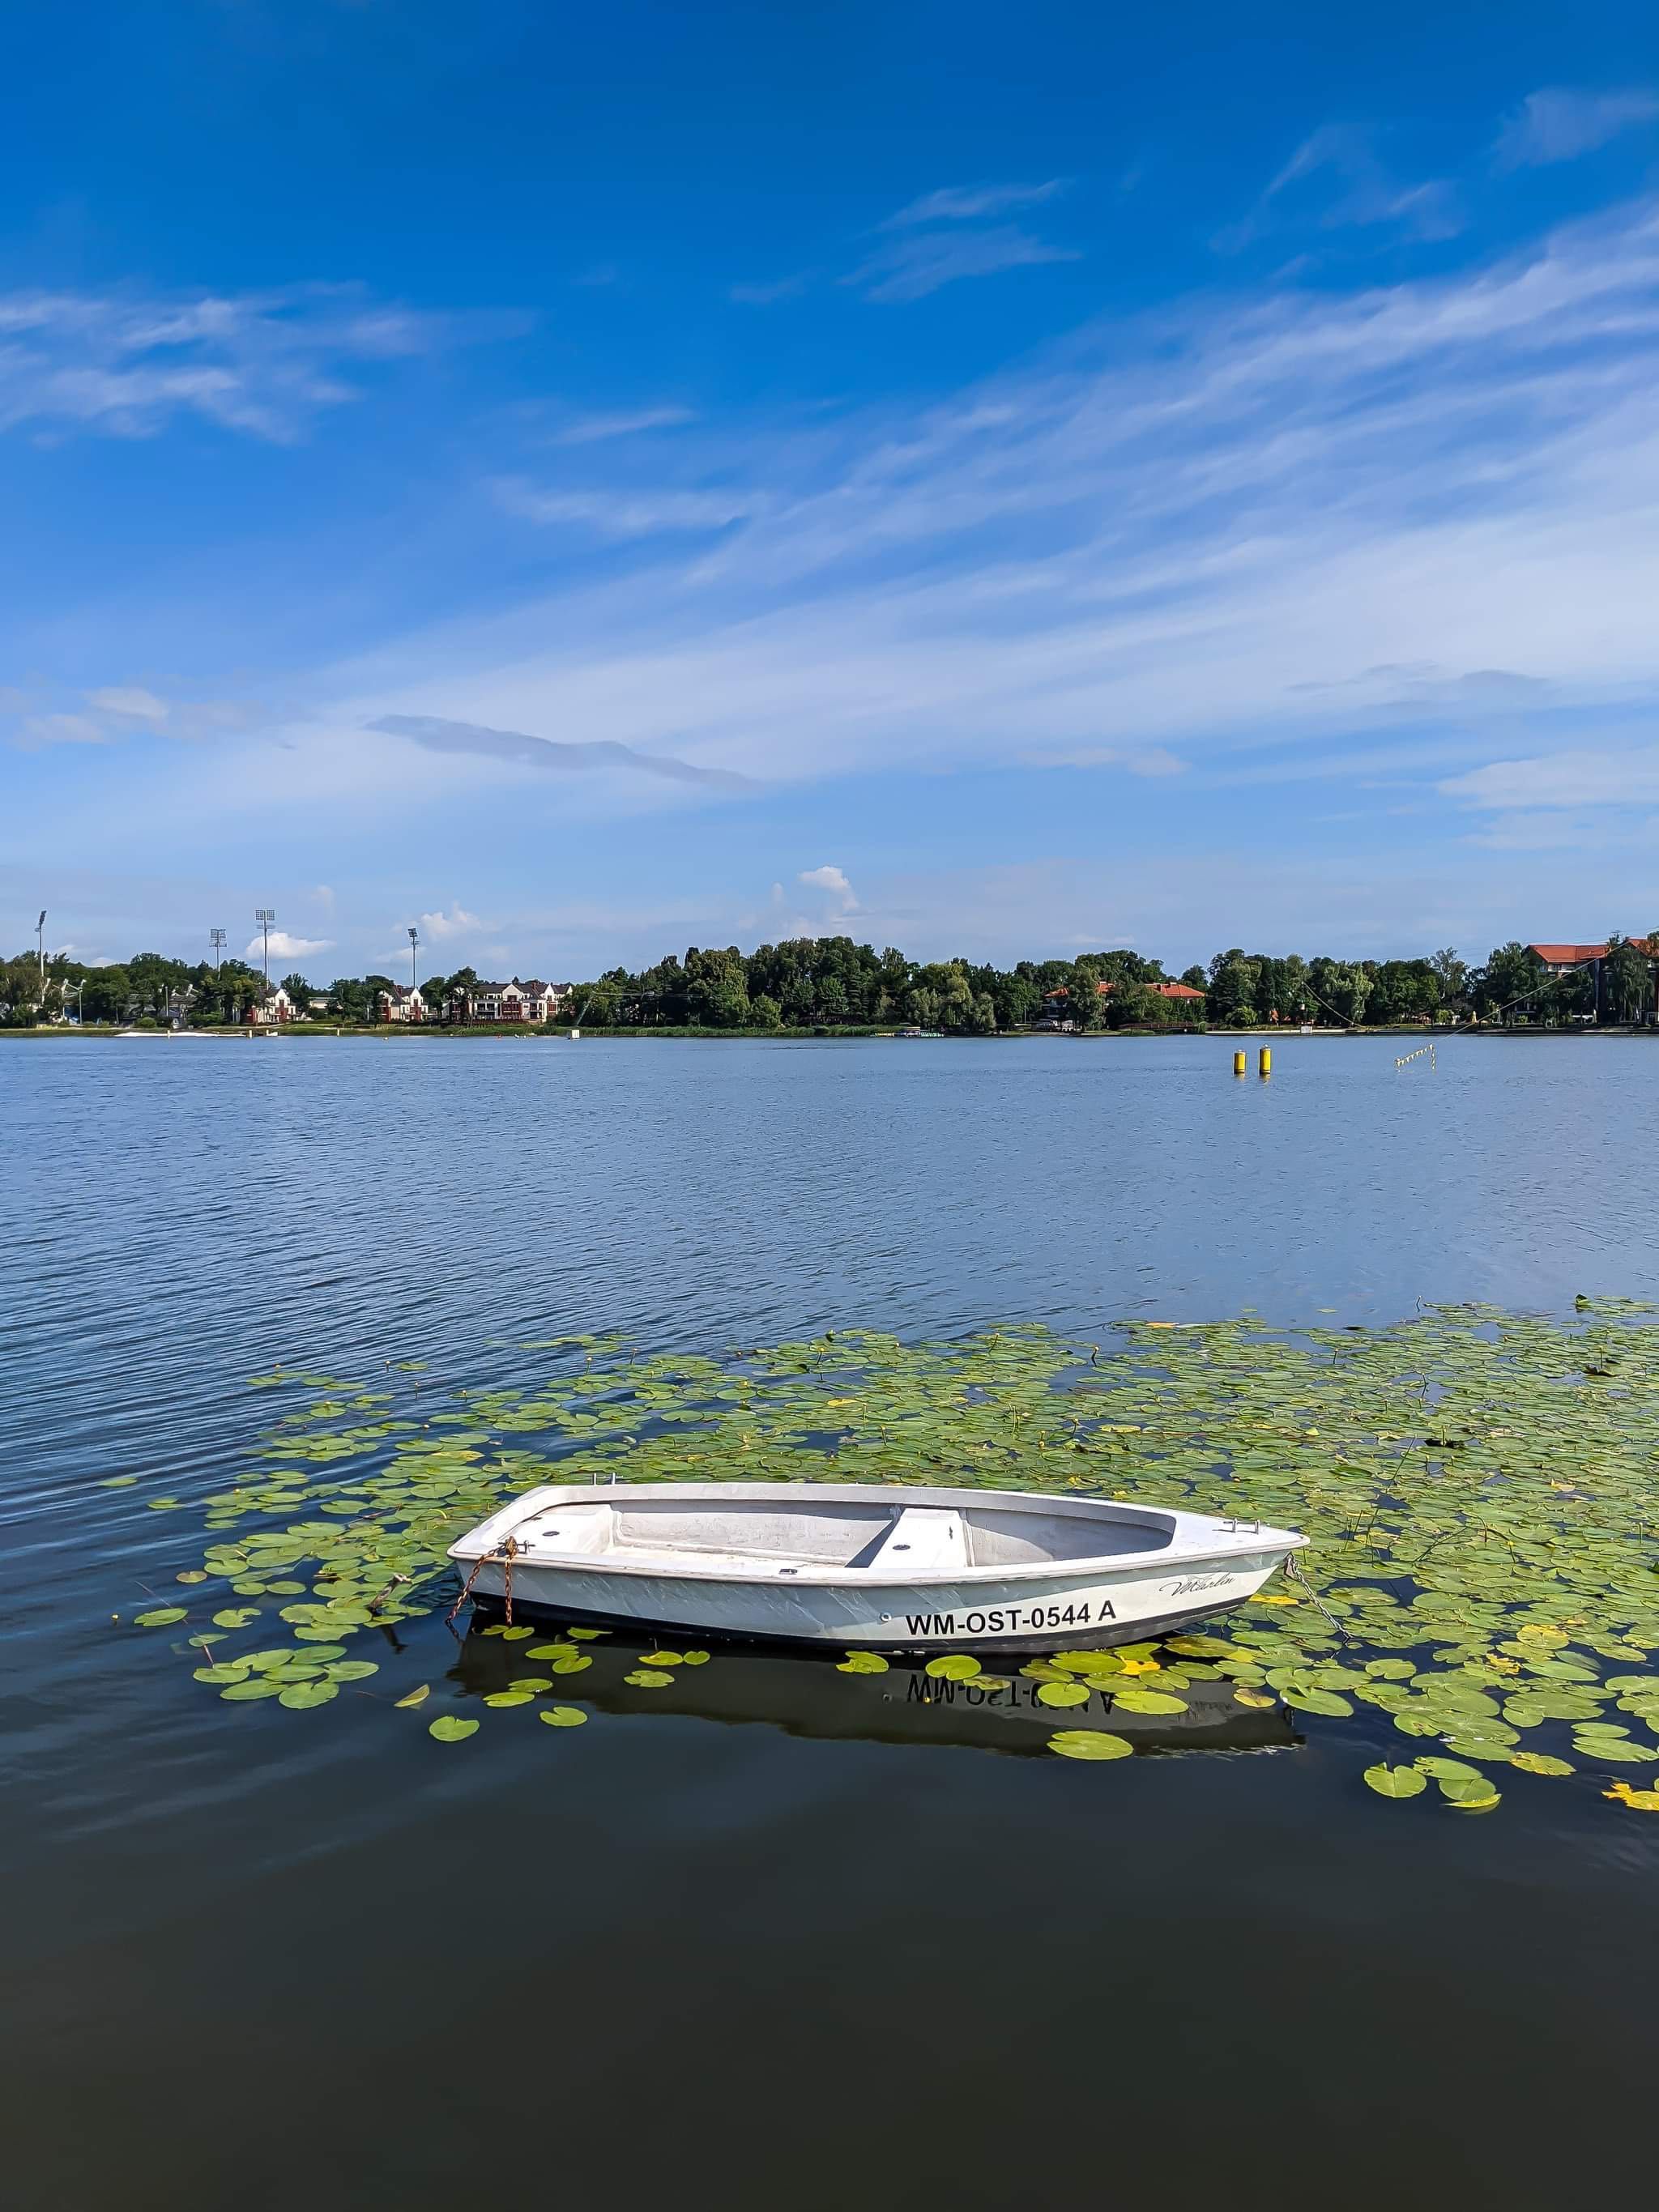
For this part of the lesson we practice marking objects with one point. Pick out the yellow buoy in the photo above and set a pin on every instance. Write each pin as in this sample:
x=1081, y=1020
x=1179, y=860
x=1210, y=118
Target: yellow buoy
x=1239, y=1063
x=1264, y=1065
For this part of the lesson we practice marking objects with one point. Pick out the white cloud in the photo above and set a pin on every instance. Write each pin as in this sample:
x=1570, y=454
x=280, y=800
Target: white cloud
x=1335, y=179
x=435, y=927
x=284, y=947
x=914, y=266
x=127, y=362
x=834, y=881
x=964, y=202
x=62, y=729
x=1151, y=760
x=1559, y=124
x=627, y=513
x=1570, y=779
x=591, y=429
x=129, y=701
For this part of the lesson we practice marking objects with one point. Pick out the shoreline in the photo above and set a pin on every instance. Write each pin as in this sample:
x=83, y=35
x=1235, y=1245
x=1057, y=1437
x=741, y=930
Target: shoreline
x=528, y=1034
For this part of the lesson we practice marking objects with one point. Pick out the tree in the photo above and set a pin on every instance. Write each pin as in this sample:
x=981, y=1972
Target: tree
x=1627, y=982
x=299, y=990
x=1512, y=984
x=1452, y=975
x=105, y=999
x=1196, y=978
x=765, y=1013
x=1231, y=985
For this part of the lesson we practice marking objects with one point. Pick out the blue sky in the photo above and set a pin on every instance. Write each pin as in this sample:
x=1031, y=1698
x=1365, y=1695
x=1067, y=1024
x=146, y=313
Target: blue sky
x=998, y=481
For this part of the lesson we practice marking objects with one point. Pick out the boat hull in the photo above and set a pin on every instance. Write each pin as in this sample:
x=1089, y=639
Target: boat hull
x=1086, y=1608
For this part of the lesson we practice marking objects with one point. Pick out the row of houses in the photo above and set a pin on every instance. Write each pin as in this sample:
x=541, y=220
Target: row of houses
x=512, y=1001
x=1057, y=1004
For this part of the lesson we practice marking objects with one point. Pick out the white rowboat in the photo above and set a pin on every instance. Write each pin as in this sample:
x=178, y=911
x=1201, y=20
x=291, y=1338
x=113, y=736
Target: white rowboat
x=872, y=1566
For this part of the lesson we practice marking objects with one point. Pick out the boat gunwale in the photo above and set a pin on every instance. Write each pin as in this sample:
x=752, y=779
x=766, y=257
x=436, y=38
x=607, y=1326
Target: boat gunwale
x=1186, y=1551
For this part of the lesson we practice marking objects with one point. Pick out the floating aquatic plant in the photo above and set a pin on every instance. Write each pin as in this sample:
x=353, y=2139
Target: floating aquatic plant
x=1479, y=1487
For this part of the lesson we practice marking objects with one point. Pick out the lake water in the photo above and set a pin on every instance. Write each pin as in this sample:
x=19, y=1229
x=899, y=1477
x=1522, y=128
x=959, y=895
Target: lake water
x=768, y=1947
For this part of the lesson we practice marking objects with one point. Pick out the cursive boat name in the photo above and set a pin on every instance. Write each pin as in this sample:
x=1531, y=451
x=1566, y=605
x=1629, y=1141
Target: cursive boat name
x=1010, y=1619
x=1194, y=1583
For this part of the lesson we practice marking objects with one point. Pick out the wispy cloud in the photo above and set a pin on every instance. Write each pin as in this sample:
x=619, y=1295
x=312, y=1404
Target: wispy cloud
x=438, y=734
x=126, y=363
x=1241, y=524
x=1559, y=124
x=921, y=263
x=968, y=203
x=1575, y=778
x=627, y=513
x=130, y=702
x=1335, y=179
x=1149, y=761
x=591, y=429
x=62, y=730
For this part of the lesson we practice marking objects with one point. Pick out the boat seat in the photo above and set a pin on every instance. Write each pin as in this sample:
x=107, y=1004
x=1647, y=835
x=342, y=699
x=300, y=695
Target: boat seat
x=922, y=1540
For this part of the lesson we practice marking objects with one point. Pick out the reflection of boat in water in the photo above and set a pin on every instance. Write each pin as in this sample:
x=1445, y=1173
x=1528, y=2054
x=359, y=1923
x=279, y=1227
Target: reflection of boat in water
x=805, y=1694
x=887, y=1566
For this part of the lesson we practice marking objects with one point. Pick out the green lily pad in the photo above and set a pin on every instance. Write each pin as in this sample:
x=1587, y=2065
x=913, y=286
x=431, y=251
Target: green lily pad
x=1090, y=1743
x=563, y=1715
x=1319, y=1701
x=1148, y=1701
x=953, y=1667
x=160, y=1616
x=301, y=1695
x=1063, y=1693
x=501, y=1699
x=255, y=1685
x=574, y=1665
x=1540, y=1762
x=1395, y=1781
x=862, y=1663
x=450, y=1728
x=416, y=1697
x=648, y=1678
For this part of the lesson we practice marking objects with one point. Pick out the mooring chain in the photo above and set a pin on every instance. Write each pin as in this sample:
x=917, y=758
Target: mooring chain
x=1292, y=1573
x=508, y=1553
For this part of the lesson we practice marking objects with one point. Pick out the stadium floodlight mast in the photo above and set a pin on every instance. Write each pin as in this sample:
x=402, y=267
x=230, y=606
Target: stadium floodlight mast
x=264, y=915
x=413, y=940
x=219, y=937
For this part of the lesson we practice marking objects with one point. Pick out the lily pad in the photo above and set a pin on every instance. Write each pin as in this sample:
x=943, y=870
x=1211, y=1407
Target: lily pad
x=954, y=1667
x=1396, y=1781
x=417, y=1696
x=648, y=1678
x=1063, y=1693
x=1090, y=1743
x=450, y=1728
x=301, y=1695
x=862, y=1663
x=563, y=1715
x=501, y=1699
x=159, y=1616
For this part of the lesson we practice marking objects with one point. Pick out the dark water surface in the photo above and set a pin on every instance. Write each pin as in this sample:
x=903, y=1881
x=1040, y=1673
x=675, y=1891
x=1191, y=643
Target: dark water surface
x=794, y=1939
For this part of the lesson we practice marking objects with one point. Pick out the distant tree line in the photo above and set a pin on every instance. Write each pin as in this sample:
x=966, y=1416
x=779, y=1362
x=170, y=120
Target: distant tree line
x=832, y=982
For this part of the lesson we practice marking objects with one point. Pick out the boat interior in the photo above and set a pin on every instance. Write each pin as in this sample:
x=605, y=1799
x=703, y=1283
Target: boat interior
x=897, y=1539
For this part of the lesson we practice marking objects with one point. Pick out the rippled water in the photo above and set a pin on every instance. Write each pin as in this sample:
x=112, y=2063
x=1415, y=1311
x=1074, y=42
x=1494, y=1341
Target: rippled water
x=763, y=1944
